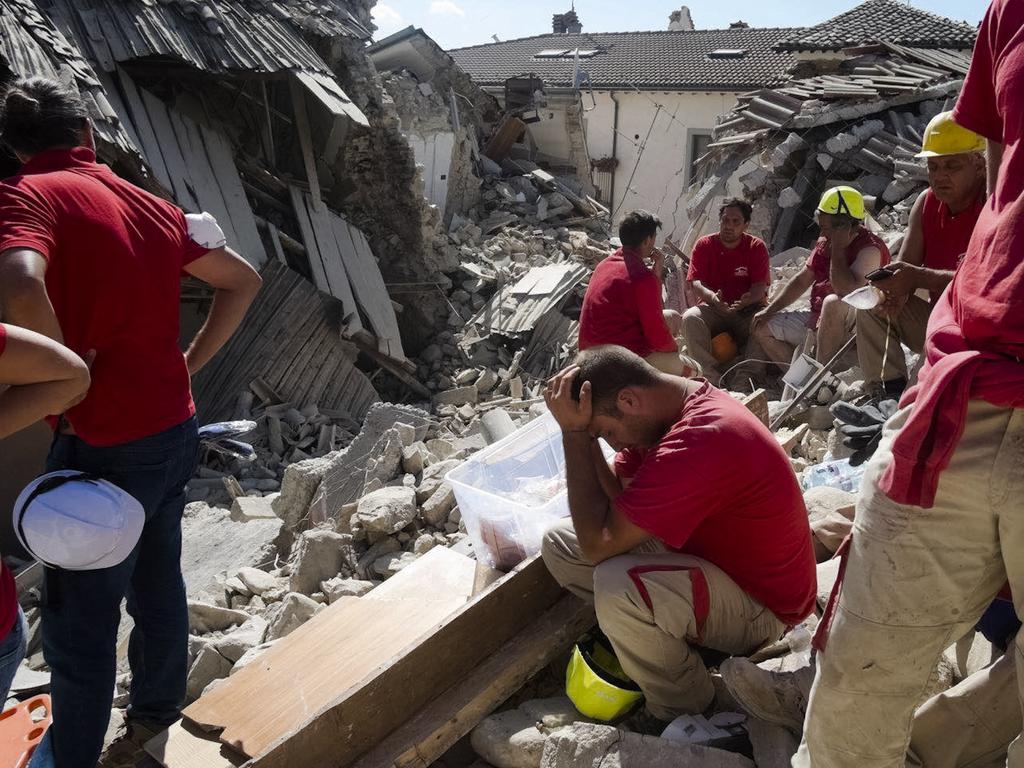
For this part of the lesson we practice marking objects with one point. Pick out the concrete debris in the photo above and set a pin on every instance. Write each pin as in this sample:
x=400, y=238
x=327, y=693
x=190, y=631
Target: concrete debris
x=439, y=505
x=257, y=582
x=336, y=588
x=294, y=611
x=319, y=555
x=387, y=511
x=204, y=618
x=208, y=666
x=234, y=645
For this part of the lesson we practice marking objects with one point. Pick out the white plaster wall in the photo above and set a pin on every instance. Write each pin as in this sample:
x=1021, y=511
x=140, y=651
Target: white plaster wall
x=662, y=171
x=434, y=152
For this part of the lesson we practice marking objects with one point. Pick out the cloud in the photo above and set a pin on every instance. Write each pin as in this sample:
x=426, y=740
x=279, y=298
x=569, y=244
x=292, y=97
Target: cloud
x=386, y=16
x=446, y=8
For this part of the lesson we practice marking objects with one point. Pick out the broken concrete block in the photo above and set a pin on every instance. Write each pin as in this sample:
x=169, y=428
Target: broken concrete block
x=257, y=581
x=235, y=644
x=414, y=458
x=388, y=510
x=509, y=739
x=442, y=449
x=301, y=482
x=497, y=424
x=295, y=611
x=382, y=547
x=319, y=554
x=423, y=544
x=385, y=458
x=246, y=508
x=407, y=432
x=388, y=565
x=432, y=478
x=251, y=655
x=336, y=588
x=488, y=380
x=470, y=375
x=789, y=198
x=587, y=745
x=208, y=666
x=458, y=396
x=437, y=507
x=204, y=618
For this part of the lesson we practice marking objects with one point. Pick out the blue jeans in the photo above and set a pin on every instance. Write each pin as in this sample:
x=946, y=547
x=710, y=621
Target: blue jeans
x=12, y=651
x=81, y=609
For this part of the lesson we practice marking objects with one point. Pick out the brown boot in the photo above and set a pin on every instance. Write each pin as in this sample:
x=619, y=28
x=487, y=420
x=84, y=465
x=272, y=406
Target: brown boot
x=775, y=697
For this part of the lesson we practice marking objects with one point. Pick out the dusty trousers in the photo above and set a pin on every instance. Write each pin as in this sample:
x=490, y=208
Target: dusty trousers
x=908, y=327
x=916, y=581
x=655, y=606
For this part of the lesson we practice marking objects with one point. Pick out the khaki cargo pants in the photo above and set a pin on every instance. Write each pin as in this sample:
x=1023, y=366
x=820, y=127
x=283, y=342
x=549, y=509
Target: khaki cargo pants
x=873, y=332
x=702, y=323
x=916, y=581
x=654, y=605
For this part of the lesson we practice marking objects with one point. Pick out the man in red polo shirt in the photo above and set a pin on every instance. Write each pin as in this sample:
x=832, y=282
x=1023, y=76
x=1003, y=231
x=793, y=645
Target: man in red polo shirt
x=729, y=272
x=92, y=261
x=938, y=529
x=941, y=223
x=676, y=547
x=623, y=303
x=844, y=254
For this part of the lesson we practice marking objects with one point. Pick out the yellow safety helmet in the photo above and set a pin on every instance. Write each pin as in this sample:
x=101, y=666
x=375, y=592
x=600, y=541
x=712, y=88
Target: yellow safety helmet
x=944, y=137
x=595, y=682
x=843, y=200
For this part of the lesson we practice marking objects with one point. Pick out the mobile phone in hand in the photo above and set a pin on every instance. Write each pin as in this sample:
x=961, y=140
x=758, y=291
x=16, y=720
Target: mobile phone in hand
x=881, y=273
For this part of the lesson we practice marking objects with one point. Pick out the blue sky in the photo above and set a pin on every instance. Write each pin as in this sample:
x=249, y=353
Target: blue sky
x=458, y=23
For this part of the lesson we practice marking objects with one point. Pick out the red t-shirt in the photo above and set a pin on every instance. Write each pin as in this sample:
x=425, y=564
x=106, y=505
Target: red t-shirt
x=719, y=487
x=729, y=270
x=115, y=254
x=975, y=339
x=623, y=306
x=8, y=592
x=820, y=263
x=946, y=236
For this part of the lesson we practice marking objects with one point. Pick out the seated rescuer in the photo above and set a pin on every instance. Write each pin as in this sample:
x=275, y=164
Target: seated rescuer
x=623, y=303
x=844, y=254
x=729, y=272
x=941, y=223
x=697, y=536
x=39, y=377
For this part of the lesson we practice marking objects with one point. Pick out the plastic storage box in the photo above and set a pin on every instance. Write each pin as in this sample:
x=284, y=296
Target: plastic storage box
x=511, y=492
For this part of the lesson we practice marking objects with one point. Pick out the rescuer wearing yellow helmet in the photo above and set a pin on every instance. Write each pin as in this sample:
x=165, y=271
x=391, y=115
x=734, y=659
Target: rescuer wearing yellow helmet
x=941, y=223
x=845, y=253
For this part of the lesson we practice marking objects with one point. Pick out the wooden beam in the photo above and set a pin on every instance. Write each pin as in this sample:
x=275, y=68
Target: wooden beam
x=439, y=725
x=305, y=140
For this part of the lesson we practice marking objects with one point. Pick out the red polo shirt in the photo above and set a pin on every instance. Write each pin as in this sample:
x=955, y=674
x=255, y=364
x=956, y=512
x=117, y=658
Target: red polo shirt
x=820, y=263
x=729, y=270
x=718, y=487
x=623, y=306
x=946, y=236
x=8, y=591
x=975, y=341
x=114, y=257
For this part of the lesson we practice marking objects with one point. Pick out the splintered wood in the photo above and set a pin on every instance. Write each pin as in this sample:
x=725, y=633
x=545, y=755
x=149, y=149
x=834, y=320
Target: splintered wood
x=364, y=668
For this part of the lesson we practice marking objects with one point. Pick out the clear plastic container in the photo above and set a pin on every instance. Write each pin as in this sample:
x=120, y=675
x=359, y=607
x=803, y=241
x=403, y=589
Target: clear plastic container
x=835, y=474
x=511, y=492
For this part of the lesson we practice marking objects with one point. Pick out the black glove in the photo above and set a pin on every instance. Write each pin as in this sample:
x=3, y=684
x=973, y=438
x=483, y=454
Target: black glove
x=862, y=426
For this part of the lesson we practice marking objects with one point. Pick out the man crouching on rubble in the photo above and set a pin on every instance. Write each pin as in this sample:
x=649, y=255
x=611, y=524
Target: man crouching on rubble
x=698, y=535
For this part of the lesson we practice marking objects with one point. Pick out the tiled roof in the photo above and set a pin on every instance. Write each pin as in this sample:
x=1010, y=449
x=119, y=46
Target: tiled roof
x=328, y=18
x=659, y=60
x=883, y=21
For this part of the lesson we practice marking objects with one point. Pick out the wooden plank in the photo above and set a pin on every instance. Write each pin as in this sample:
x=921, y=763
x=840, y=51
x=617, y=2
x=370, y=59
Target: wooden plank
x=349, y=640
x=185, y=746
x=316, y=266
x=325, y=227
x=167, y=142
x=225, y=173
x=425, y=737
x=149, y=145
x=368, y=285
x=361, y=715
x=757, y=403
x=305, y=141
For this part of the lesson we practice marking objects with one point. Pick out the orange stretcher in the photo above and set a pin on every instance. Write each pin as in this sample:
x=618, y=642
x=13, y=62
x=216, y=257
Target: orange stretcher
x=21, y=729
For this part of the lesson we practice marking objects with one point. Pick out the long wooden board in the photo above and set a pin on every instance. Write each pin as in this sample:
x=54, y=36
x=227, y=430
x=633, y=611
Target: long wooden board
x=435, y=729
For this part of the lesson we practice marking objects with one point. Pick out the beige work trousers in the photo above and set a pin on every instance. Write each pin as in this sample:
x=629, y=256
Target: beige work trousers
x=655, y=606
x=916, y=581
x=872, y=331
x=701, y=324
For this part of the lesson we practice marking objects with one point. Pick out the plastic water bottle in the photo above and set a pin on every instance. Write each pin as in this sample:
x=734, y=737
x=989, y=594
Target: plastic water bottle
x=834, y=474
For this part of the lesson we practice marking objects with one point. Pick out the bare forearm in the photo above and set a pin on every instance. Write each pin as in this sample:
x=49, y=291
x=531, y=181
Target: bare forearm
x=792, y=291
x=932, y=280
x=588, y=501
x=23, y=406
x=609, y=482
x=226, y=314
x=704, y=293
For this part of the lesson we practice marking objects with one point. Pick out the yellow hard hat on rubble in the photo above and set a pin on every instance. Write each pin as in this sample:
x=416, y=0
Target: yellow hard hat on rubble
x=595, y=682
x=843, y=200
x=944, y=137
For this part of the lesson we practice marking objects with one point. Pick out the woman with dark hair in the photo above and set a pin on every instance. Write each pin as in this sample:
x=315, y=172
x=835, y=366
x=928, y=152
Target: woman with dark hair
x=94, y=262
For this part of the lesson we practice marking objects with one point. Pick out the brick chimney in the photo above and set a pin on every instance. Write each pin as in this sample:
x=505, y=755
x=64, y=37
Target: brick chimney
x=680, y=21
x=566, y=23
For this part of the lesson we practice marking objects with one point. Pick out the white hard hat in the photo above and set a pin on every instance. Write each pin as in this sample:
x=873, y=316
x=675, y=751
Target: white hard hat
x=78, y=522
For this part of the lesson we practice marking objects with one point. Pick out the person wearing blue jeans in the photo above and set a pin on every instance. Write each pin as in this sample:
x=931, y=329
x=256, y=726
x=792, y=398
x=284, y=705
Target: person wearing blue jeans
x=12, y=651
x=88, y=259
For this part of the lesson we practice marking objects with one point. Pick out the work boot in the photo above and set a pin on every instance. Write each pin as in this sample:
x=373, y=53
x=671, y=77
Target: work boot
x=779, y=698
